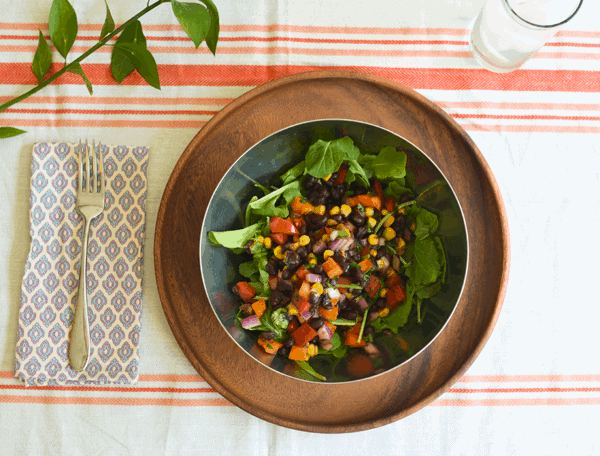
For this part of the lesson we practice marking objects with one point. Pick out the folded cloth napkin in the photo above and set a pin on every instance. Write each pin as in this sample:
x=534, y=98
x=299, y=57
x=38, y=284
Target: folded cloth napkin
x=114, y=274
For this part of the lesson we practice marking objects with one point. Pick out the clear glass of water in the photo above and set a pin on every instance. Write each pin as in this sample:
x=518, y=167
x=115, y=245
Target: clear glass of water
x=506, y=33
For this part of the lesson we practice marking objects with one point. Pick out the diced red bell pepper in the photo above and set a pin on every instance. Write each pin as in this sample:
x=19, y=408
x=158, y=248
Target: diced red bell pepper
x=395, y=296
x=366, y=201
x=302, y=272
x=245, y=290
x=392, y=281
x=378, y=189
x=343, y=281
x=304, y=290
x=273, y=282
x=300, y=207
x=279, y=225
x=293, y=326
x=341, y=175
x=303, y=335
x=373, y=287
x=332, y=269
x=331, y=314
x=298, y=222
x=365, y=250
x=365, y=265
x=390, y=203
x=351, y=337
x=301, y=304
x=259, y=307
x=270, y=347
x=279, y=238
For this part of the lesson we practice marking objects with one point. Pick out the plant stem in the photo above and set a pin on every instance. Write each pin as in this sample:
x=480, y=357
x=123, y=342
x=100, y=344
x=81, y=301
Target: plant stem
x=91, y=50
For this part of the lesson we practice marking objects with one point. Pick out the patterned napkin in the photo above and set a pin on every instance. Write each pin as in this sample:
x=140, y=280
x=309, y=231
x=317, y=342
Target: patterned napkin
x=114, y=274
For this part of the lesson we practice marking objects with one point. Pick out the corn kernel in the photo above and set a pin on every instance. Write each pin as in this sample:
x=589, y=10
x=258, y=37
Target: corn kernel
x=401, y=246
x=295, y=278
x=389, y=221
x=325, y=238
x=327, y=254
x=384, y=212
x=260, y=239
x=345, y=210
x=317, y=287
x=343, y=253
x=311, y=256
x=349, y=295
x=319, y=210
x=373, y=239
x=268, y=243
x=277, y=252
x=327, y=178
x=294, y=246
x=304, y=240
x=312, y=350
x=412, y=226
x=369, y=211
x=331, y=222
x=390, y=273
x=383, y=292
x=402, y=210
x=389, y=233
x=335, y=210
x=292, y=309
x=372, y=222
x=373, y=252
x=340, y=226
x=384, y=312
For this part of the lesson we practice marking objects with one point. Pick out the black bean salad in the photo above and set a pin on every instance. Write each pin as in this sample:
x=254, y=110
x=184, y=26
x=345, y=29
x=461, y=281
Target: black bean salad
x=338, y=259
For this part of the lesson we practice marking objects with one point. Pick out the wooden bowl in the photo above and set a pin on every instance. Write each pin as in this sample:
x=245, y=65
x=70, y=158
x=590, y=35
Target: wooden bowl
x=342, y=407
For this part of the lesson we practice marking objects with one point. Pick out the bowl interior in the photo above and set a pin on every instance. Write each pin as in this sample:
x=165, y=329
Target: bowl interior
x=264, y=163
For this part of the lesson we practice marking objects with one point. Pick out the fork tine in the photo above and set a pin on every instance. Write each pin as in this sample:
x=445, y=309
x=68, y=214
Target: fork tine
x=80, y=166
x=94, y=186
x=101, y=168
x=87, y=168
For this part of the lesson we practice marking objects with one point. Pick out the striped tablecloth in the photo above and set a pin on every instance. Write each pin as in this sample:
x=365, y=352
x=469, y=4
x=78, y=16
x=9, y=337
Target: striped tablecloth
x=535, y=388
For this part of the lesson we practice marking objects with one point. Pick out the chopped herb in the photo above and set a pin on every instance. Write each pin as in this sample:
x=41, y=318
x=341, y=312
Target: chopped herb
x=362, y=326
x=343, y=233
x=344, y=322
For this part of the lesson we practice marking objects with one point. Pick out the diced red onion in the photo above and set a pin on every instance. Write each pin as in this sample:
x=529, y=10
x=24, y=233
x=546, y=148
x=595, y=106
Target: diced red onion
x=396, y=263
x=386, y=264
x=326, y=345
x=362, y=303
x=381, y=242
x=373, y=315
x=319, y=246
x=333, y=293
x=336, y=245
x=325, y=333
x=334, y=234
x=250, y=322
x=364, y=241
x=313, y=278
x=304, y=316
x=350, y=227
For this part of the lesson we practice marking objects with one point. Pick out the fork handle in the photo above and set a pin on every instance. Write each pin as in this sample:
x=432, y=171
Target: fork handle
x=79, y=351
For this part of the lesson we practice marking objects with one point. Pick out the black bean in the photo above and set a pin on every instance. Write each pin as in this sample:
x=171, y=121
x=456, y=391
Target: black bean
x=326, y=302
x=289, y=342
x=316, y=323
x=323, y=191
x=289, y=317
x=380, y=253
x=345, y=267
x=406, y=198
x=338, y=257
x=360, y=190
x=280, y=264
x=315, y=340
x=278, y=305
x=355, y=292
x=342, y=304
x=349, y=314
x=334, y=176
x=364, y=282
x=333, y=282
x=353, y=304
x=247, y=246
x=287, y=274
x=268, y=336
x=309, y=181
x=285, y=286
x=293, y=260
x=276, y=296
x=271, y=268
x=373, y=315
x=407, y=235
x=302, y=251
x=360, y=232
x=313, y=197
x=337, y=217
x=321, y=200
x=369, y=331
x=314, y=298
x=328, y=183
x=283, y=351
x=354, y=255
x=318, y=269
x=381, y=303
x=358, y=275
x=401, y=219
x=358, y=219
x=246, y=310
x=320, y=220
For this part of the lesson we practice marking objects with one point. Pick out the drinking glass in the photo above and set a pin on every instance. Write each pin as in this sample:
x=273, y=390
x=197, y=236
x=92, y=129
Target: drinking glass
x=506, y=33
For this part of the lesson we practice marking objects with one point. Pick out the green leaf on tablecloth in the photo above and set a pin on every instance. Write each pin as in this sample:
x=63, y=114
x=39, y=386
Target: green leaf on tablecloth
x=120, y=64
x=76, y=69
x=109, y=23
x=42, y=58
x=63, y=26
x=212, y=37
x=143, y=62
x=194, y=19
x=9, y=132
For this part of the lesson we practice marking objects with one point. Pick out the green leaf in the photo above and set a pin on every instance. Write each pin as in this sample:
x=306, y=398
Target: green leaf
x=194, y=19
x=76, y=69
x=440, y=249
x=426, y=262
x=120, y=64
x=42, y=59
x=358, y=172
x=235, y=238
x=396, y=189
x=267, y=204
x=395, y=319
x=325, y=157
x=279, y=319
x=426, y=224
x=212, y=37
x=390, y=163
x=63, y=26
x=308, y=368
x=142, y=60
x=339, y=349
x=9, y=132
x=293, y=173
x=109, y=23
x=248, y=269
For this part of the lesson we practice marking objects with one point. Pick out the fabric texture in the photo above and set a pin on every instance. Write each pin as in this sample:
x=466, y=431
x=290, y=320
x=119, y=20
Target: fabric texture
x=114, y=268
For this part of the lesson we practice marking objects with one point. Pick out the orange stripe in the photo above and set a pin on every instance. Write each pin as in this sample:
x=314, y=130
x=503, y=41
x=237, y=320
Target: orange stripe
x=115, y=388
x=530, y=128
x=529, y=378
x=109, y=111
x=102, y=123
x=172, y=378
x=521, y=117
x=123, y=100
x=129, y=401
x=523, y=390
x=518, y=105
x=514, y=402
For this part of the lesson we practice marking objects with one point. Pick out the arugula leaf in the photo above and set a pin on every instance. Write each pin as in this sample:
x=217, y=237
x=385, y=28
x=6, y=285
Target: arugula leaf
x=42, y=59
x=194, y=20
x=390, y=163
x=267, y=204
x=357, y=171
x=307, y=367
x=395, y=319
x=396, y=189
x=426, y=224
x=293, y=173
x=63, y=26
x=259, y=287
x=339, y=349
x=325, y=157
x=440, y=249
x=248, y=269
x=426, y=263
x=235, y=238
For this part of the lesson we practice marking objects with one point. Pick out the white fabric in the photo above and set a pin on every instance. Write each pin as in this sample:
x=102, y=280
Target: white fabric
x=539, y=372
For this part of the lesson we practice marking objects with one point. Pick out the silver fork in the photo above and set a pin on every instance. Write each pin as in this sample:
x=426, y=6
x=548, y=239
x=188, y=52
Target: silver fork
x=90, y=204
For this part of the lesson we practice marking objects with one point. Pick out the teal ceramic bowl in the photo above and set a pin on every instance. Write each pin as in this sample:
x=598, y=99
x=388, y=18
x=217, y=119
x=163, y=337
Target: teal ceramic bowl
x=267, y=160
